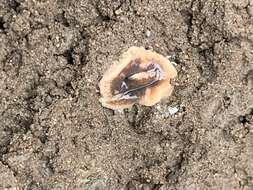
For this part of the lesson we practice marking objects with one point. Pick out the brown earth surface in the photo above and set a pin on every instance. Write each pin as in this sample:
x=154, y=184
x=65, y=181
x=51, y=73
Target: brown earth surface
x=54, y=133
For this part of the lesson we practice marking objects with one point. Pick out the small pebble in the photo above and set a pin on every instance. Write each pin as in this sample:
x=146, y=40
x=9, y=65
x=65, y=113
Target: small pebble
x=148, y=33
x=172, y=58
x=173, y=110
x=250, y=10
x=119, y=11
x=158, y=107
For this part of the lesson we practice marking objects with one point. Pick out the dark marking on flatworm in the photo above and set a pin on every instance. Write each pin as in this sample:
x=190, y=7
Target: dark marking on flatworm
x=133, y=80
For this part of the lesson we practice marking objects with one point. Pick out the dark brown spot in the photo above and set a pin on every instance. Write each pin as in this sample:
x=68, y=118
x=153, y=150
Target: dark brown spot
x=249, y=78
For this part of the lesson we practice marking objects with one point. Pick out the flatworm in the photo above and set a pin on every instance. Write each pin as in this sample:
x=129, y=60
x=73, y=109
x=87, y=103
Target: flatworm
x=140, y=76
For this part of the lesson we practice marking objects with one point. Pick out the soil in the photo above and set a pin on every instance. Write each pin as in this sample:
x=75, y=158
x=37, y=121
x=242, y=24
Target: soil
x=54, y=133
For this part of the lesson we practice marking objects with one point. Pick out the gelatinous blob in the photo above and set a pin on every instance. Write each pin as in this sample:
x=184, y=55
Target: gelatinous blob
x=141, y=76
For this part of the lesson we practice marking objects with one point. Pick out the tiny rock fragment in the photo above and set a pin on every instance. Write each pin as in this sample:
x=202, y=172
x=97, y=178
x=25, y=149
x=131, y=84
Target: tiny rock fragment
x=173, y=110
x=148, y=33
x=140, y=76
